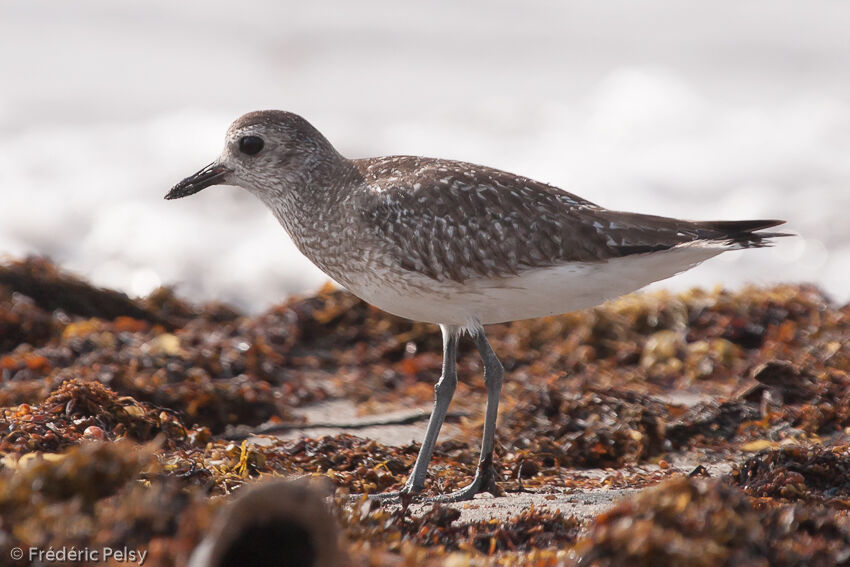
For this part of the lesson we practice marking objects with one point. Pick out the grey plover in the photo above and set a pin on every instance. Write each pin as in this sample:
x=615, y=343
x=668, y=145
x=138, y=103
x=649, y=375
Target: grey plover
x=453, y=243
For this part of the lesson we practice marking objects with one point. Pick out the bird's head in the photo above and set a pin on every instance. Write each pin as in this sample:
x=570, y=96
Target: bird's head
x=268, y=152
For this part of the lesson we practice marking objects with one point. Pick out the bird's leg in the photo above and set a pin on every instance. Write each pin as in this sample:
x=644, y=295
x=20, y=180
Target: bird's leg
x=443, y=392
x=485, y=475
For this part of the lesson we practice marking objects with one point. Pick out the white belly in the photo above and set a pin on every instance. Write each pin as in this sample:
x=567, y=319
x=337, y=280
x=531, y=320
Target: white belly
x=534, y=293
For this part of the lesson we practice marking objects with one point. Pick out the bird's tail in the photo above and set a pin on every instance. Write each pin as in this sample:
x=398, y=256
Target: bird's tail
x=742, y=234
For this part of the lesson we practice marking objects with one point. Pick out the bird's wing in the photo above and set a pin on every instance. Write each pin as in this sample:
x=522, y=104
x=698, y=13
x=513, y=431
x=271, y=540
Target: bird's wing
x=456, y=221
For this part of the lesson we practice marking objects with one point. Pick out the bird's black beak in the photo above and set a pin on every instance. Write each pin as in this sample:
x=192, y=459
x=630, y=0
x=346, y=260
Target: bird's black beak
x=213, y=174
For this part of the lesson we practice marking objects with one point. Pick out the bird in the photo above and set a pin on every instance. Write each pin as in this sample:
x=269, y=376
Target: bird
x=455, y=244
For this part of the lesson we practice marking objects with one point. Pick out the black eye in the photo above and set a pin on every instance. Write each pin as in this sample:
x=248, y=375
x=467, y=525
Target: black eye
x=251, y=145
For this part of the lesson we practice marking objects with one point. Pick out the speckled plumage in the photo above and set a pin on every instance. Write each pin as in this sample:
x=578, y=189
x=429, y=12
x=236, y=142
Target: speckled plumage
x=459, y=221
x=405, y=232
x=454, y=243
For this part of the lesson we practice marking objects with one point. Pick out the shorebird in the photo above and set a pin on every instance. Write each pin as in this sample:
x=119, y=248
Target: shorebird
x=456, y=244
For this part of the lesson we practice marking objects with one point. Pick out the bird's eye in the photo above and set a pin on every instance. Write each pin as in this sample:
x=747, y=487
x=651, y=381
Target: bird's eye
x=251, y=145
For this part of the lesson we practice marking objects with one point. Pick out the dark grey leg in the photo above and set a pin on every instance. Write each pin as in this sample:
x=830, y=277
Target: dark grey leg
x=443, y=392
x=485, y=475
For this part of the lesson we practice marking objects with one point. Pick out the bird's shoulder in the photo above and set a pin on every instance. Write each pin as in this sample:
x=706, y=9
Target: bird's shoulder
x=434, y=182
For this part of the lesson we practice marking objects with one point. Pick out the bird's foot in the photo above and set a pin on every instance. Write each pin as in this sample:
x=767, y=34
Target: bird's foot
x=484, y=481
x=403, y=496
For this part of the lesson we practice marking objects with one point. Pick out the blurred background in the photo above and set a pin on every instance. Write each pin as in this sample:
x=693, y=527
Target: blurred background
x=720, y=110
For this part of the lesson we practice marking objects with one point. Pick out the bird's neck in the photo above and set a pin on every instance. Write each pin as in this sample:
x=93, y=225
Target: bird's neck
x=313, y=206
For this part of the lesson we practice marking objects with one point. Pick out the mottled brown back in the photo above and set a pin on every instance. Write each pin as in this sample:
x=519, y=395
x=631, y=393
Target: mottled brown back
x=457, y=221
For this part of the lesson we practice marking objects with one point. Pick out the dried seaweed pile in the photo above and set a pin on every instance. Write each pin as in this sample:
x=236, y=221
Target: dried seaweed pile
x=707, y=522
x=112, y=413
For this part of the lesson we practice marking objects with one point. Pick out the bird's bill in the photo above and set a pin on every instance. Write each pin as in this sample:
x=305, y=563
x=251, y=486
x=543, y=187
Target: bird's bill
x=213, y=174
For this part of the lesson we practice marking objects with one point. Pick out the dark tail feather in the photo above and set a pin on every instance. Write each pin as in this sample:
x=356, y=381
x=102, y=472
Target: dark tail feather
x=742, y=233
x=740, y=226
